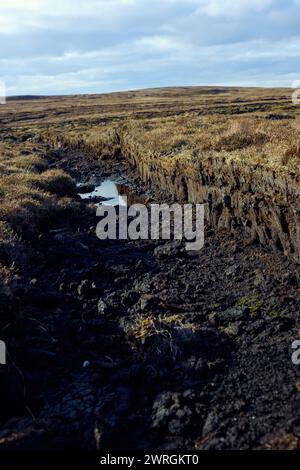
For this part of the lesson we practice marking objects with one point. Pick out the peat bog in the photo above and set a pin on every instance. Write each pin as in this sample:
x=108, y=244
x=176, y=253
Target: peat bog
x=141, y=345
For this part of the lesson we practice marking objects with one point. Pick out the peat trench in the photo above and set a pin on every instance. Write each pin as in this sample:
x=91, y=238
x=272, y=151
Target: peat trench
x=141, y=345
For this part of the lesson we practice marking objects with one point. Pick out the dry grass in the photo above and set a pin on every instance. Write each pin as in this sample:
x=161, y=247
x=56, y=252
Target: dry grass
x=252, y=139
x=33, y=199
x=174, y=126
x=250, y=124
x=158, y=335
x=292, y=155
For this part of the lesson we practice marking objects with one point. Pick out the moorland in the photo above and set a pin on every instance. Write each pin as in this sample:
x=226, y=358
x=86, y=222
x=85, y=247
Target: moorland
x=138, y=344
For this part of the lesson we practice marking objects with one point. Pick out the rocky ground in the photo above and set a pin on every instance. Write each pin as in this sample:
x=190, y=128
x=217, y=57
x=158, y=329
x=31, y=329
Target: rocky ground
x=144, y=346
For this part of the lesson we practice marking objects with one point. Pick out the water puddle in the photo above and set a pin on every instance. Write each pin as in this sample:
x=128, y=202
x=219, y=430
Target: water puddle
x=111, y=193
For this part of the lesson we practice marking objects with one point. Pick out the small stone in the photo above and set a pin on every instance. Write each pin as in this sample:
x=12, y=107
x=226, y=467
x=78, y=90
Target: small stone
x=102, y=307
x=86, y=289
x=259, y=278
x=232, y=270
x=214, y=318
x=233, y=329
x=233, y=314
x=62, y=287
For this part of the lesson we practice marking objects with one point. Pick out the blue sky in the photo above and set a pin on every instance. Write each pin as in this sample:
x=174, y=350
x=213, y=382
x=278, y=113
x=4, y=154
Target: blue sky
x=95, y=46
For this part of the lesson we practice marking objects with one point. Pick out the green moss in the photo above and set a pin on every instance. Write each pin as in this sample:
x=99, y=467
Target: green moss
x=253, y=303
x=216, y=307
x=275, y=313
x=256, y=306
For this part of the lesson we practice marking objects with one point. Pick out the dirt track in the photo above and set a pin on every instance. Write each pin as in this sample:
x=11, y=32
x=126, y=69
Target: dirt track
x=211, y=369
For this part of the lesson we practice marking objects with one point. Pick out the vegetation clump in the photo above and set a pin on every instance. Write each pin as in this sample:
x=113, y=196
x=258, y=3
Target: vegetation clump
x=256, y=306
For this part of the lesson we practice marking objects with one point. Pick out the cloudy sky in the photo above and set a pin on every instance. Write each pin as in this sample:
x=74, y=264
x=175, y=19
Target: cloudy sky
x=87, y=46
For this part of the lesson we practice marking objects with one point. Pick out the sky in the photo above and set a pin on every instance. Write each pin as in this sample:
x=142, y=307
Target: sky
x=96, y=46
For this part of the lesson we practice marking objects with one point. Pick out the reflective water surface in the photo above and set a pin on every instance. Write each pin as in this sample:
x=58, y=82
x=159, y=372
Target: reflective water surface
x=112, y=193
x=109, y=191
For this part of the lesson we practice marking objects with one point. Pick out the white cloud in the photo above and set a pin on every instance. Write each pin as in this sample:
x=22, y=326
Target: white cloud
x=232, y=9
x=77, y=46
x=23, y=15
x=61, y=83
x=147, y=55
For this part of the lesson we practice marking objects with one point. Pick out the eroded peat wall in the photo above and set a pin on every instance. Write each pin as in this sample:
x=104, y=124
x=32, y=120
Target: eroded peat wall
x=266, y=203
